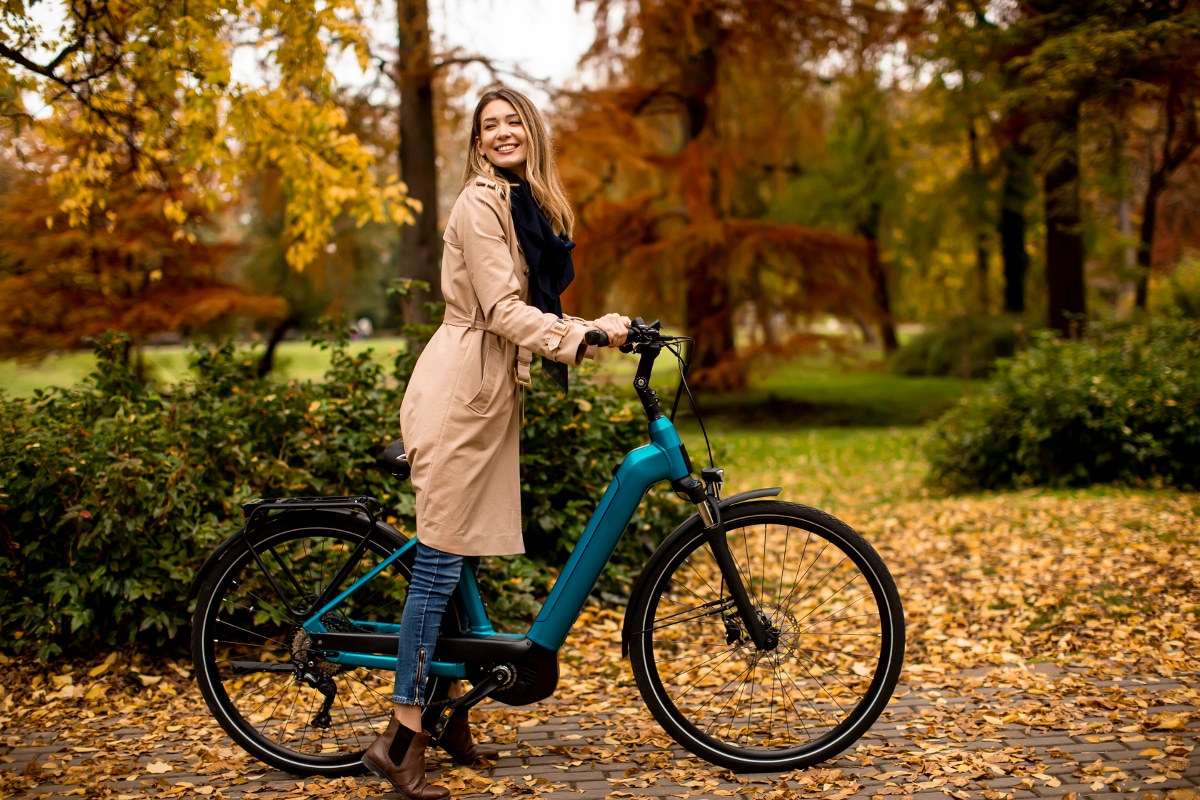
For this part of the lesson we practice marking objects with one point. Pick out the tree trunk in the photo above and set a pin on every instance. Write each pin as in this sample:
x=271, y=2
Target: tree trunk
x=1158, y=182
x=869, y=230
x=1180, y=105
x=267, y=362
x=1013, y=197
x=1126, y=297
x=709, y=315
x=981, y=253
x=420, y=251
x=1064, y=240
x=710, y=321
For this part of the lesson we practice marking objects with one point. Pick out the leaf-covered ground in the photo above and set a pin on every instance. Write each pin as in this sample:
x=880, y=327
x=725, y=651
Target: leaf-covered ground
x=1053, y=648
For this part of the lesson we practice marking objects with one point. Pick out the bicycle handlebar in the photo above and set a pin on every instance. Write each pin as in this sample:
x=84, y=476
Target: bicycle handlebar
x=640, y=332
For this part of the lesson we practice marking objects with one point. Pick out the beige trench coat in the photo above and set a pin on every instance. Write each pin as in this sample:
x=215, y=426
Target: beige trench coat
x=460, y=417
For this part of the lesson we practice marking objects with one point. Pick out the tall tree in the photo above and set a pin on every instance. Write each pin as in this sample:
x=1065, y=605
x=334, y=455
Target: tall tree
x=670, y=169
x=1017, y=192
x=1180, y=139
x=156, y=81
x=1066, y=291
x=420, y=251
x=967, y=41
x=1088, y=56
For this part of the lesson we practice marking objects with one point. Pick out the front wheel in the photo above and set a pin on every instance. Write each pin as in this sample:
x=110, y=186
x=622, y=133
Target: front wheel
x=820, y=587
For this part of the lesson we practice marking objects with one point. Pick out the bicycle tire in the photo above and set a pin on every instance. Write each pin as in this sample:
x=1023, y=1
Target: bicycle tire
x=244, y=641
x=826, y=592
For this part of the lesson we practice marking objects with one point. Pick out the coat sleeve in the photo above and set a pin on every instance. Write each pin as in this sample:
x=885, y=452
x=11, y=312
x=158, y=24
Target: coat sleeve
x=493, y=276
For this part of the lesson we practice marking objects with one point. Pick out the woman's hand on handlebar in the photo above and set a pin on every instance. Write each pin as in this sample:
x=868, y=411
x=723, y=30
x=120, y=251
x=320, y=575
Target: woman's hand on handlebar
x=615, y=327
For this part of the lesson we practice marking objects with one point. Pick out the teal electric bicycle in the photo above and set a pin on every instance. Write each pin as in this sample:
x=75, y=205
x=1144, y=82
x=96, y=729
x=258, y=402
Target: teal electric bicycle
x=763, y=635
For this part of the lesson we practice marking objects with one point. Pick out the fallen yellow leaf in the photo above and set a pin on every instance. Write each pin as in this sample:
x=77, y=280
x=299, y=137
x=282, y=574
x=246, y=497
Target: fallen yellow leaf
x=103, y=667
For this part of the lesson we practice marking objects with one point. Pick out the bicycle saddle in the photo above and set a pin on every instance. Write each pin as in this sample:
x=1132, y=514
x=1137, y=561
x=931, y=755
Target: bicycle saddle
x=395, y=460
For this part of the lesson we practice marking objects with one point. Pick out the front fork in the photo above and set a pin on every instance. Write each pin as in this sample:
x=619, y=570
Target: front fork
x=704, y=496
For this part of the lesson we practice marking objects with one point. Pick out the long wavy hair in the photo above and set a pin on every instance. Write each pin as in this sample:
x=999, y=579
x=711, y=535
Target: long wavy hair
x=541, y=171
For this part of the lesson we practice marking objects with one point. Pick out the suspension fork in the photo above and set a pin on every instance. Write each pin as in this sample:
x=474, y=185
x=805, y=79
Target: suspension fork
x=714, y=530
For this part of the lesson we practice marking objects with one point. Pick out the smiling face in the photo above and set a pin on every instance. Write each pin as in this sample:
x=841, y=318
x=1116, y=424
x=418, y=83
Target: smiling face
x=503, y=139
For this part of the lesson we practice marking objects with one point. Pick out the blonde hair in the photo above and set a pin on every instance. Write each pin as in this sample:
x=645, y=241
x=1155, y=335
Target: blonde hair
x=541, y=171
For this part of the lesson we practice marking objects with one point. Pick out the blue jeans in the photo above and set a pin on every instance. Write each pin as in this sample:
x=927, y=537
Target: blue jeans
x=435, y=574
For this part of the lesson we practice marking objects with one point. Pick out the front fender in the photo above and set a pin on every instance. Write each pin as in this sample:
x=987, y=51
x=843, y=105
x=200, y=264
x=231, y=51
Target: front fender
x=685, y=528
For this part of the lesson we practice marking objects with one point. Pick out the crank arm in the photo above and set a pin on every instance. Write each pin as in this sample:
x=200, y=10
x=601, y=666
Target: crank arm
x=499, y=676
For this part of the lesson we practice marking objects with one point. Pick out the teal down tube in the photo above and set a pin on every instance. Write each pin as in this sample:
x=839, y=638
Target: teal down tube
x=642, y=468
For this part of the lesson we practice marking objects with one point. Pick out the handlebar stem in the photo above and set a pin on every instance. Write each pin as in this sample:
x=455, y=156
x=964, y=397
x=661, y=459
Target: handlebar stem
x=641, y=381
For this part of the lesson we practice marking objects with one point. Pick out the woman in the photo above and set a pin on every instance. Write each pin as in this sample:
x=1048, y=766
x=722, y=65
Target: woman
x=507, y=258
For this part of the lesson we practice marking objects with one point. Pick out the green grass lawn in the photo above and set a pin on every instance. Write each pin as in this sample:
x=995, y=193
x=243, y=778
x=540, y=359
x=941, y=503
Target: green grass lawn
x=813, y=394
x=169, y=364
x=834, y=468
x=814, y=391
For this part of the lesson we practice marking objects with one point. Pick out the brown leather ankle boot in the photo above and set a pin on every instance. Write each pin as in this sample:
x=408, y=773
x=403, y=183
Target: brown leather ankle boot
x=407, y=747
x=458, y=742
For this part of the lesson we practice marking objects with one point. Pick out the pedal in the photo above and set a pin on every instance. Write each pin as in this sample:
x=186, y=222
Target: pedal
x=500, y=677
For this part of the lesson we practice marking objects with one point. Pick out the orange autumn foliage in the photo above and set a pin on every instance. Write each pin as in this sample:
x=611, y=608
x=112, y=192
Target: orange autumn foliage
x=713, y=107
x=136, y=271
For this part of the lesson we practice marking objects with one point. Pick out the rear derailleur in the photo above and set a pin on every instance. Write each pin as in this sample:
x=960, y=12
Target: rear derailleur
x=311, y=667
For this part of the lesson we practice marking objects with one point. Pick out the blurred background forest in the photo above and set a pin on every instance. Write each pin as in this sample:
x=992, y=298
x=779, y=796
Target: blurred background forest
x=757, y=173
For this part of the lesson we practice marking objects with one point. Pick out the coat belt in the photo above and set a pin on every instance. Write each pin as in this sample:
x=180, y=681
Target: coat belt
x=457, y=318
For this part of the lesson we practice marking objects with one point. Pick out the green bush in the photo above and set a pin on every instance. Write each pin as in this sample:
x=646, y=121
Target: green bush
x=1120, y=406
x=1179, y=292
x=112, y=492
x=963, y=347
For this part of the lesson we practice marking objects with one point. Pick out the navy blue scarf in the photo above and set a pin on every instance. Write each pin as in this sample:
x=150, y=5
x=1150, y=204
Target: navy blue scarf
x=548, y=255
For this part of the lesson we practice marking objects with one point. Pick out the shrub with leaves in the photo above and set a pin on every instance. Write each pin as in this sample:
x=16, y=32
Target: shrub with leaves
x=963, y=347
x=113, y=492
x=1120, y=406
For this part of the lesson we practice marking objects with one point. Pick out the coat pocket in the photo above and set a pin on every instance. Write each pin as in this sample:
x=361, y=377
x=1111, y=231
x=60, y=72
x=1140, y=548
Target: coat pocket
x=491, y=368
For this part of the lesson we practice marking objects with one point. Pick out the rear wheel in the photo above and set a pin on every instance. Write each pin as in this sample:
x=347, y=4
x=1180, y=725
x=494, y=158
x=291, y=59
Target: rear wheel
x=283, y=703
x=816, y=583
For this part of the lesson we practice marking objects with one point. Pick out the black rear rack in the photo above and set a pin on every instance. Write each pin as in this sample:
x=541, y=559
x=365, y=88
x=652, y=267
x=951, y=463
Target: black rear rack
x=265, y=505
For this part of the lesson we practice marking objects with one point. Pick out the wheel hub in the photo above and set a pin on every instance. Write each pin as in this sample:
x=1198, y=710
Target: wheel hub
x=775, y=620
x=308, y=661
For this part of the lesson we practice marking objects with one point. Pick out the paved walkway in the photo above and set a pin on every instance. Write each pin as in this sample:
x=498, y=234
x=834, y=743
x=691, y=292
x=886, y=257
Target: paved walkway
x=925, y=746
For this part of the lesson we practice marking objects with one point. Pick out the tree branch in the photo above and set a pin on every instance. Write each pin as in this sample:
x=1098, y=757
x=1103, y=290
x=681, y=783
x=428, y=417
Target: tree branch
x=18, y=58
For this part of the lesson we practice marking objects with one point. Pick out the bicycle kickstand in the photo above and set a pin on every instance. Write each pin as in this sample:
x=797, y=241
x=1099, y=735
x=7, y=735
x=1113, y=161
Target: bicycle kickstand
x=500, y=676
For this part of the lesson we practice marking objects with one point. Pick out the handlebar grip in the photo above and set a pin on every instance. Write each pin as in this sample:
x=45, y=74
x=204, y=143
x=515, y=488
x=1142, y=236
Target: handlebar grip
x=596, y=338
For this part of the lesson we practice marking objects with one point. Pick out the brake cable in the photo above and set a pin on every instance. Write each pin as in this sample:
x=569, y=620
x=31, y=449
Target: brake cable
x=675, y=346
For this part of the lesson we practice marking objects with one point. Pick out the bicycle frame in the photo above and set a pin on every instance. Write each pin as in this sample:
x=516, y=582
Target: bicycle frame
x=662, y=459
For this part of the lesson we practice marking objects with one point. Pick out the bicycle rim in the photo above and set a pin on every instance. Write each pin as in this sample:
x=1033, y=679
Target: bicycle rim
x=247, y=644
x=835, y=608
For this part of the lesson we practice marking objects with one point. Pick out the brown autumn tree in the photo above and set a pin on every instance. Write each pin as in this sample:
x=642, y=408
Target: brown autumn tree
x=156, y=266
x=711, y=107
x=420, y=251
